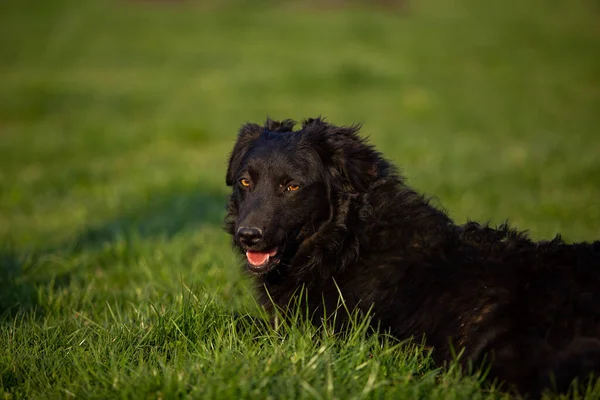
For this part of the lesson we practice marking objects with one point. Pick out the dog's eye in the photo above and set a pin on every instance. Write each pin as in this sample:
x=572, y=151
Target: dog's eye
x=291, y=188
x=245, y=182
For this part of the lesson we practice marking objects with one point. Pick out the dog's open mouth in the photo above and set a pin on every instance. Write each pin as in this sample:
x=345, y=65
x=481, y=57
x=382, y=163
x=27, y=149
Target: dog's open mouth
x=261, y=261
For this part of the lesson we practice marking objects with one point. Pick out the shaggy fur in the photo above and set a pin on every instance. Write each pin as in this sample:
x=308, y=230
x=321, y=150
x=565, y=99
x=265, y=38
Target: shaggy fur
x=320, y=208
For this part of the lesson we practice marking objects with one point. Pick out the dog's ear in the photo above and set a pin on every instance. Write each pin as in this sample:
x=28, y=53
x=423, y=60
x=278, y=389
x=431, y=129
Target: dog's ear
x=353, y=163
x=248, y=134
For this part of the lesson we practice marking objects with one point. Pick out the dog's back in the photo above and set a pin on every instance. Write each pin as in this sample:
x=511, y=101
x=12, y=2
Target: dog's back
x=542, y=308
x=532, y=309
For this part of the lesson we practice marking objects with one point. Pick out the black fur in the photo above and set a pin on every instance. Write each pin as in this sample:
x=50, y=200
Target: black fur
x=532, y=308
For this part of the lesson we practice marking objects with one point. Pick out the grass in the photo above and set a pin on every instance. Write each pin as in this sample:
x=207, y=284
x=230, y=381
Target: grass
x=116, y=119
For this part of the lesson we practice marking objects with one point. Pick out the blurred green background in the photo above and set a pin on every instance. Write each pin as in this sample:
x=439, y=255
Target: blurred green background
x=116, y=119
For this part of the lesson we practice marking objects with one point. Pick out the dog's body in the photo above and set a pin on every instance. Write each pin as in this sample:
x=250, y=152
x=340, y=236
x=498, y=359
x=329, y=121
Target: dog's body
x=321, y=209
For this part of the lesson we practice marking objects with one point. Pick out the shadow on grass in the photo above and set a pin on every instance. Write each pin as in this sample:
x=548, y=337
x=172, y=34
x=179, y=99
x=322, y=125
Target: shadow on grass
x=164, y=214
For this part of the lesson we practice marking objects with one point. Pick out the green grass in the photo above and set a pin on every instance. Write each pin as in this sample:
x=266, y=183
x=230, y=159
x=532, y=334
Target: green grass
x=116, y=119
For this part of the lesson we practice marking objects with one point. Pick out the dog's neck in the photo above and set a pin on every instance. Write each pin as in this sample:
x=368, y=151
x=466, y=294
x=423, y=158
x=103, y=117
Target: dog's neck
x=389, y=217
x=393, y=216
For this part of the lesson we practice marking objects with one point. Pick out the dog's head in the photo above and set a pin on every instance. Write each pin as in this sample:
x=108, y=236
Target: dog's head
x=287, y=185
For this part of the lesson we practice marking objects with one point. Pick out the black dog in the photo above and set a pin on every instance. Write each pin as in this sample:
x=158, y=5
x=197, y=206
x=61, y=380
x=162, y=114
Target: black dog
x=320, y=208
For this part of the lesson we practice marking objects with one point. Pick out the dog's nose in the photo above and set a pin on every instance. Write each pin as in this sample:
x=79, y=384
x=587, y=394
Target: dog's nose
x=249, y=236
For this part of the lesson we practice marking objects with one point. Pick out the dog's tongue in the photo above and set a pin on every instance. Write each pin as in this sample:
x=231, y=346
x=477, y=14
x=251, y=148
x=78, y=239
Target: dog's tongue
x=257, y=258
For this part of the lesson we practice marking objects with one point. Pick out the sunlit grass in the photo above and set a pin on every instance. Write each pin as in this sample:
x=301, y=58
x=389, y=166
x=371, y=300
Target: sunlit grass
x=116, y=120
